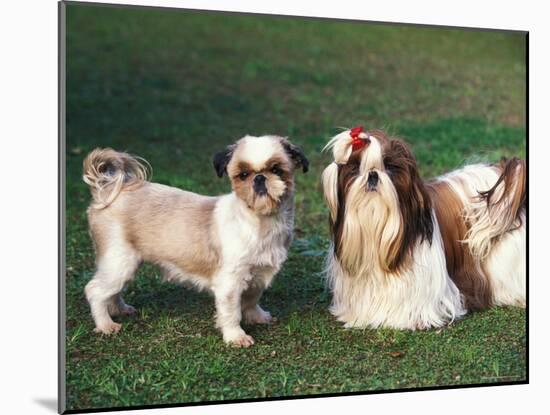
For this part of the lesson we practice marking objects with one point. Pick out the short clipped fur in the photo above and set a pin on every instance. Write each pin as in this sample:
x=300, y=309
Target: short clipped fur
x=231, y=245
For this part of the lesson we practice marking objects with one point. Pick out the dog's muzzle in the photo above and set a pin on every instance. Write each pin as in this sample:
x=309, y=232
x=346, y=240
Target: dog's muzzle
x=259, y=185
x=372, y=181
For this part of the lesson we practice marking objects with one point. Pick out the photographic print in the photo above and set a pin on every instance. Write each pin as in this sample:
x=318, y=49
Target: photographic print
x=263, y=207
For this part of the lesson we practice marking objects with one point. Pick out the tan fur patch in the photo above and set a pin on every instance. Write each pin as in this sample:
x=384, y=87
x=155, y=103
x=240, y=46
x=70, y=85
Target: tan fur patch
x=461, y=265
x=165, y=225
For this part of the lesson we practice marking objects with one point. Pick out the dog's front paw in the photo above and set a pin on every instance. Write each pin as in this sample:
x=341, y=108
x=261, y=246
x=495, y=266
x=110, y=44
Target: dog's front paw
x=238, y=339
x=258, y=316
x=243, y=341
x=108, y=328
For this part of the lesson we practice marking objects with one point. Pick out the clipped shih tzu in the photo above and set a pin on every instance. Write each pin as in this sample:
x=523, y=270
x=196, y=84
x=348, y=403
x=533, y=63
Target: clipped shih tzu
x=231, y=245
x=410, y=254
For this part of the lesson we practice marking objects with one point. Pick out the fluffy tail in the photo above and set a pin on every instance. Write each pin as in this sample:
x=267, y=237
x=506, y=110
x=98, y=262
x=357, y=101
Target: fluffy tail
x=499, y=209
x=107, y=172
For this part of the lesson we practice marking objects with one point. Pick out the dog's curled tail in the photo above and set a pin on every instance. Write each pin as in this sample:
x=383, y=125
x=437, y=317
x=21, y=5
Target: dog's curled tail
x=499, y=209
x=108, y=172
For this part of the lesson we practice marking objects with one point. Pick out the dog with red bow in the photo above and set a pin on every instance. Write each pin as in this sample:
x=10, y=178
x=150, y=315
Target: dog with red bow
x=231, y=245
x=414, y=254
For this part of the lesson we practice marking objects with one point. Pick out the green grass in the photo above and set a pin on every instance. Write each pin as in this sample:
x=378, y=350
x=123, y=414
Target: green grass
x=177, y=87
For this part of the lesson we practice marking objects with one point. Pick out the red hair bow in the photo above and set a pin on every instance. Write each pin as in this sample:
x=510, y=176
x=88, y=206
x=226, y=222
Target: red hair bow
x=357, y=142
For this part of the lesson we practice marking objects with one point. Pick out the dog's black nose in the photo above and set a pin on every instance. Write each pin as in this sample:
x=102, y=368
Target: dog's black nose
x=259, y=184
x=372, y=180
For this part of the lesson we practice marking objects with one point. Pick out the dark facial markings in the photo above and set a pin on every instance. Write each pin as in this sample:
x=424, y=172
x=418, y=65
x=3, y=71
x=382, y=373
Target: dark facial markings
x=276, y=170
x=273, y=166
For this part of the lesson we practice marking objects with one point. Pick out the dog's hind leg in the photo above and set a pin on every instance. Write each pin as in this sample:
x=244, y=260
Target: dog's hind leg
x=251, y=310
x=118, y=307
x=115, y=268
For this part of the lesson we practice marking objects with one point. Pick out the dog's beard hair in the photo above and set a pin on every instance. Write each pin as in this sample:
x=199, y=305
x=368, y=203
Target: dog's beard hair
x=267, y=204
x=372, y=227
x=277, y=190
x=418, y=297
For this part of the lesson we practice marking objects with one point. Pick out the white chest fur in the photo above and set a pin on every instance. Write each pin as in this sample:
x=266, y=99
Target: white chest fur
x=253, y=242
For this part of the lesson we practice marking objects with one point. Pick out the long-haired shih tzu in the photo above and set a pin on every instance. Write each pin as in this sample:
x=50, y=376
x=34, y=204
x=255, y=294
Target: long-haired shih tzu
x=231, y=245
x=411, y=254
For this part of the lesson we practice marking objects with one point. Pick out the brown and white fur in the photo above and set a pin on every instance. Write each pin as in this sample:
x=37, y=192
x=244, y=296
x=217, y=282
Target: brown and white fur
x=231, y=245
x=410, y=254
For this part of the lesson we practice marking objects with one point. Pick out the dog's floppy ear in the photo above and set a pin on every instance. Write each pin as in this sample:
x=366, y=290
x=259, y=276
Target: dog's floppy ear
x=414, y=201
x=221, y=160
x=296, y=154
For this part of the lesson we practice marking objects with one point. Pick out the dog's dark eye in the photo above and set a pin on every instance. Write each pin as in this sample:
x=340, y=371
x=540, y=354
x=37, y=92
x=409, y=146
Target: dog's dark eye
x=243, y=175
x=276, y=170
x=390, y=169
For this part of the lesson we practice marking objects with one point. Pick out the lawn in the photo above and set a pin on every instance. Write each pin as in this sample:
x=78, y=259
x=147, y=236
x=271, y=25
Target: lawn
x=174, y=88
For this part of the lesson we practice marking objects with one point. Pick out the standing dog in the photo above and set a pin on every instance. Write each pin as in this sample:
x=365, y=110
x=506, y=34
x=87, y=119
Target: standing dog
x=232, y=245
x=410, y=254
